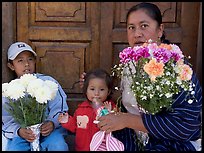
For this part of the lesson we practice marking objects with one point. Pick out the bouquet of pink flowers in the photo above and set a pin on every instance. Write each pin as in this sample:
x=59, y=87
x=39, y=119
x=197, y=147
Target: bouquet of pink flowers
x=157, y=72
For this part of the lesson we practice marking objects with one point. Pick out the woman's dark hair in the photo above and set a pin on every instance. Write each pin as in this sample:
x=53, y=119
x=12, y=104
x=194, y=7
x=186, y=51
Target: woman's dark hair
x=152, y=11
x=98, y=73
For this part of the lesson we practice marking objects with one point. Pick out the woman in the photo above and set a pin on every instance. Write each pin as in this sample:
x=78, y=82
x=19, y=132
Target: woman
x=167, y=131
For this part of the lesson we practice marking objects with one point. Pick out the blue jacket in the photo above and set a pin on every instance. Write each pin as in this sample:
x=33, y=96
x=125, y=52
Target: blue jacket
x=54, y=107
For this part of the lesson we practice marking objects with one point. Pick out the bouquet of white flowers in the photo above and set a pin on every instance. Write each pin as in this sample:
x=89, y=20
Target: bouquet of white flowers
x=28, y=97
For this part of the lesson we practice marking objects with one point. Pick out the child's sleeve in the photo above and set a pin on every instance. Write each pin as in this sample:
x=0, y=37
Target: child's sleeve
x=71, y=124
x=9, y=126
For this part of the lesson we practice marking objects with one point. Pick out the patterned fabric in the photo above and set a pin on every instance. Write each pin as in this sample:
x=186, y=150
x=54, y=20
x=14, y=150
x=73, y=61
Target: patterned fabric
x=105, y=142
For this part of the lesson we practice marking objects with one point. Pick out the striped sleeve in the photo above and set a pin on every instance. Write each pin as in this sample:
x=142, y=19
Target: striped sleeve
x=182, y=123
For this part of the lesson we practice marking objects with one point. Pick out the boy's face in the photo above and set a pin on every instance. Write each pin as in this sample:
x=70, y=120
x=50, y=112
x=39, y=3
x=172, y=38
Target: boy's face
x=23, y=63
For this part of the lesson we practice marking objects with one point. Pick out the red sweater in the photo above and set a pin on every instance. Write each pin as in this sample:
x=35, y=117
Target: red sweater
x=82, y=125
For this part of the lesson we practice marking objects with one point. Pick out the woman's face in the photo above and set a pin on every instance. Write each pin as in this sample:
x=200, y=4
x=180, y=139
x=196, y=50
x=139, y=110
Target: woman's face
x=141, y=28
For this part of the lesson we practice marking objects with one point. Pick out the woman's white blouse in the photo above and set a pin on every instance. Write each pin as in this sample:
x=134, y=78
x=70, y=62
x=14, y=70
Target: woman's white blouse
x=128, y=98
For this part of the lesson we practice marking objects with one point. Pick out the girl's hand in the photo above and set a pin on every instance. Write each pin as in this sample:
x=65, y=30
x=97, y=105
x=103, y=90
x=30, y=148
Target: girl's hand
x=108, y=106
x=81, y=80
x=63, y=117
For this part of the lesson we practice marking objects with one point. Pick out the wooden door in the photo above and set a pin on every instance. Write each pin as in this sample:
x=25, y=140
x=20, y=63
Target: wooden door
x=181, y=21
x=72, y=37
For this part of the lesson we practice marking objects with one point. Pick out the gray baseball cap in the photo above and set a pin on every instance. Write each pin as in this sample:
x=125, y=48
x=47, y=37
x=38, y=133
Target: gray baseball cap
x=17, y=48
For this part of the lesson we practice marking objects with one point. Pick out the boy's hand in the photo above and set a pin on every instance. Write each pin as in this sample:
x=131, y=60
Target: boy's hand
x=63, y=117
x=27, y=134
x=46, y=128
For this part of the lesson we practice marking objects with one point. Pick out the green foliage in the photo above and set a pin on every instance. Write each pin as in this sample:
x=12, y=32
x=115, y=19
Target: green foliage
x=26, y=111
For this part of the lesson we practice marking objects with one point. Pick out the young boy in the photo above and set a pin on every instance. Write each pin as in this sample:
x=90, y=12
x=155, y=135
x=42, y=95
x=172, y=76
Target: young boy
x=21, y=60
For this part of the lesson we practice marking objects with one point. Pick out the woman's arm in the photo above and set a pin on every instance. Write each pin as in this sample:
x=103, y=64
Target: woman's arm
x=117, y=121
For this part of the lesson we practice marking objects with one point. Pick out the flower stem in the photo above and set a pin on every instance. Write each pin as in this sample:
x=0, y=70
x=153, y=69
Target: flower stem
x=42, y=111
x=24, y=115
x=132, y=73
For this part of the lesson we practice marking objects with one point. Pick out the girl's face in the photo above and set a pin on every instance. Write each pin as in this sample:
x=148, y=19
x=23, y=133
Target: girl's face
x=141, y=28
x=97, y=88
x=23, y=63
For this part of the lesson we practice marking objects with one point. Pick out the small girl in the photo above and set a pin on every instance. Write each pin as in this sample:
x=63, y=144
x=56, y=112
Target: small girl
x=97, y=88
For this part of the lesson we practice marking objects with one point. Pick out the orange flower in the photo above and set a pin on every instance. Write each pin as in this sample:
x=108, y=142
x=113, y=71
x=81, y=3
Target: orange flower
x=154, y=69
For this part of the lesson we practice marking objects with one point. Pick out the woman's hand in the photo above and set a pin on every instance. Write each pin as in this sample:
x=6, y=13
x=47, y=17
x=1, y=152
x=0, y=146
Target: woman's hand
x=27, y=134
x=81, y=80
x=63, y=117
x=112, y=122
x=119, y=120
x=46, y=128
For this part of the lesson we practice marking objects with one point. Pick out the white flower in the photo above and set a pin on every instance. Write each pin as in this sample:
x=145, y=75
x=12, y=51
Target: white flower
x=168, y=95
x=160, y=95
x=26, y=79
x=192, y=92
x=168, y=73
x=4, y=89
x=190, y=101
x=53, y=88
x=168, y=82
x=116, y=88
x=158, y=87
x=43, y=94
x=34, y=86
x=15, y=90
x=144, y=97
x=178, y=81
